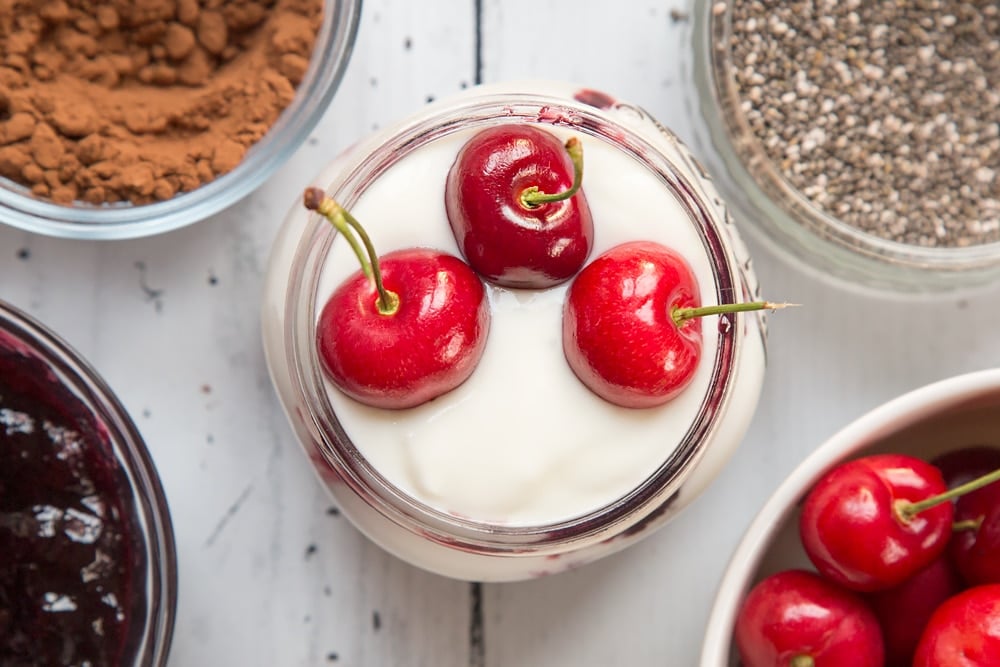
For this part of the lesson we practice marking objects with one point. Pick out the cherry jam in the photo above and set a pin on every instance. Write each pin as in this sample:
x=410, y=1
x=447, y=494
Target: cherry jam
x=71, y=562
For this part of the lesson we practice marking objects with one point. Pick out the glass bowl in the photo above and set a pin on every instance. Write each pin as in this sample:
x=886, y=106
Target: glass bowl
x=334, y=43
x=687, y=453
x=783, y=217
x=93, y=486
x=945, y=416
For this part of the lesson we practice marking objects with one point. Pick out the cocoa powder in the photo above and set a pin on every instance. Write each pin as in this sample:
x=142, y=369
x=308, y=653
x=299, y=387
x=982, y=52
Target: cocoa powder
x=139, y=100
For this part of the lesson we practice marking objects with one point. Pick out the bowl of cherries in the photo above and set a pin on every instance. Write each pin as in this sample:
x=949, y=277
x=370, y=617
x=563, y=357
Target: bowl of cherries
x=881, y=548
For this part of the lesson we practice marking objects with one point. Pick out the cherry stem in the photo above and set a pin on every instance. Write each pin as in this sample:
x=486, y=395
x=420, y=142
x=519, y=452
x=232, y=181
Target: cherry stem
x=681, y=315
x=802, y=661
x=908, y=510
x=533, y=198
x=315, y=199
x=968, y=524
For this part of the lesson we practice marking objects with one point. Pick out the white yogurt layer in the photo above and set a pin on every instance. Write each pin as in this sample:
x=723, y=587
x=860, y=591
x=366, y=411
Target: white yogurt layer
x=522, y=442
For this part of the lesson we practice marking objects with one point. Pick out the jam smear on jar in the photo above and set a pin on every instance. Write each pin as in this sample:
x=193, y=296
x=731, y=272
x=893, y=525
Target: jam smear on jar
x=66, y=537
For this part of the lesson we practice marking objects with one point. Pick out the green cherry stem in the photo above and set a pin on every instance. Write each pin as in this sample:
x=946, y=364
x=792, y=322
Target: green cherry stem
x=315, y=199
x=802, y=661
x=968, y=524
x=533, y=198
x=907, y=510
x=681, y=315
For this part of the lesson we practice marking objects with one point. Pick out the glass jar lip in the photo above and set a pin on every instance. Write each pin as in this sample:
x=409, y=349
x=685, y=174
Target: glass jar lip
x=148, y=498
x=334, y=45
x=529, y=101
x=743, y=151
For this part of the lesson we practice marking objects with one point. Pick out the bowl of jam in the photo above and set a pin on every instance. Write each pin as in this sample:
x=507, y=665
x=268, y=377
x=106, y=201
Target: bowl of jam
x=87, y=558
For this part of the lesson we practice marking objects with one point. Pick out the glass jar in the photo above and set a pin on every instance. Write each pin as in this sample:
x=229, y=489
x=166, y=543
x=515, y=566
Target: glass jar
x=782, y=216
x=48, y=389
x=457, y=544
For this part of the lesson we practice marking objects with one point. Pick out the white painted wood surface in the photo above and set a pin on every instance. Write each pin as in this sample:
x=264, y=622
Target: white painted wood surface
x=269, y=575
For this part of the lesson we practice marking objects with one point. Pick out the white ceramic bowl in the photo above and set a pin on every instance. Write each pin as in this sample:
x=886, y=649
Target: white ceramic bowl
x=943, y=416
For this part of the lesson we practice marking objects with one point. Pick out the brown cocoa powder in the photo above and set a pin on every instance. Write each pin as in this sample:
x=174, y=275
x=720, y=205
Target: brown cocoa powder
x=139, y=100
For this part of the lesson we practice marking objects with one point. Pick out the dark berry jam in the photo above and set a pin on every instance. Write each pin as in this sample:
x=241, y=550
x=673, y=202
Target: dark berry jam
x=68, y=538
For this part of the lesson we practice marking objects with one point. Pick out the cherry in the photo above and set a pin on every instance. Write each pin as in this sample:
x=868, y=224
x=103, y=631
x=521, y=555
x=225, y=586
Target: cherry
x=871, y=523
x=404, y=329
x=630, y=327
x=798, y=619
x=858, y=528
x=964, y=631
x=903, y=611
x=514, y=202
x=965, y=464
x=975, y=546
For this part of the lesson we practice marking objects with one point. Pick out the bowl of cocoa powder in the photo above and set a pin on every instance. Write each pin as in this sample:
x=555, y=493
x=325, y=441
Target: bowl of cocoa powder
x=861, y=138
x=129, y=118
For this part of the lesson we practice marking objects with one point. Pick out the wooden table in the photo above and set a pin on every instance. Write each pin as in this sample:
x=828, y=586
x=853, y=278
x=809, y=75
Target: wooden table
x=270, y=573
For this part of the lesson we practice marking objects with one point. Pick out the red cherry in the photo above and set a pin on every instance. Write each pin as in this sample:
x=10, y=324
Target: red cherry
x=975, y=546
x=857, y=524
x=798, y=619
x=959, y=466
x=514, y=202
x=984, y=493
x=964, y=631
x=406, y=328
x=903, y=611
x=630, y=327
x=618, y=334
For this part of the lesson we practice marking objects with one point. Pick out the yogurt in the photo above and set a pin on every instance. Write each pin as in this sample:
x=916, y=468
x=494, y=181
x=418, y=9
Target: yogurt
x=521, y=442
x=521, y=471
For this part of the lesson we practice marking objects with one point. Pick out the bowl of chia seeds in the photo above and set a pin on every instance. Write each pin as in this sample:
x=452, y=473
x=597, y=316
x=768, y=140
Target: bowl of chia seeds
x=863, y=138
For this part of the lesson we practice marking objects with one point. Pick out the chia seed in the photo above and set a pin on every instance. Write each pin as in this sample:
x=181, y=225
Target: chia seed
x=884, y=114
